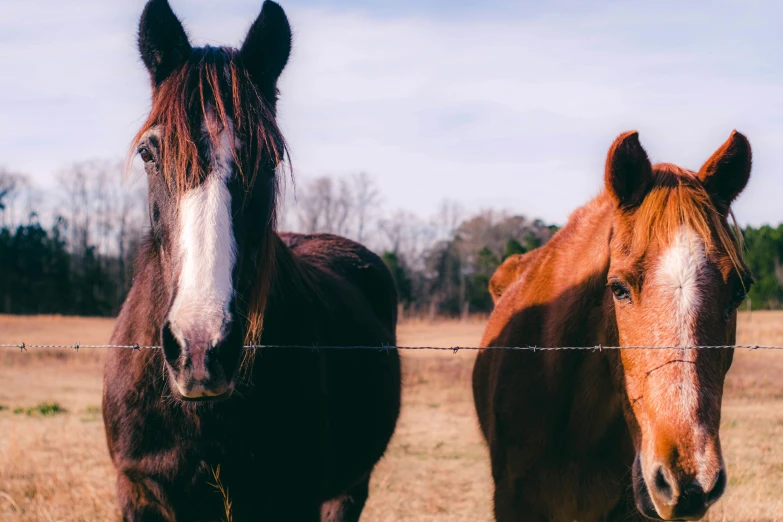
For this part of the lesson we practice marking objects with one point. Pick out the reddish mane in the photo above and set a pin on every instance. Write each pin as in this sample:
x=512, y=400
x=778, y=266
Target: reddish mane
x=678, y=198
x=213, y=80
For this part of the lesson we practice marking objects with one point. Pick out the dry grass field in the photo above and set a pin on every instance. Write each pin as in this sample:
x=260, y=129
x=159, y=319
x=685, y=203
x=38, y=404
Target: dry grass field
x=54, y=465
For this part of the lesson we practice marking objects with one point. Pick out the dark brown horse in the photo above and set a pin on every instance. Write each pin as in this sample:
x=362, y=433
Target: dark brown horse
x=295, y=433
x=587, y=436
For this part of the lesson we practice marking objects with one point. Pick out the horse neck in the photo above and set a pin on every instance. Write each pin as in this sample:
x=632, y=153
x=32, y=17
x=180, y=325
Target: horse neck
x=292, y=290
x=575, y=263
x=580, y=314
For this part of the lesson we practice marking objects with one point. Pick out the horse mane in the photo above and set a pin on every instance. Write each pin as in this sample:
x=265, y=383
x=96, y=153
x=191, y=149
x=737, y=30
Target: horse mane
x=678, y=198
x=214, y=88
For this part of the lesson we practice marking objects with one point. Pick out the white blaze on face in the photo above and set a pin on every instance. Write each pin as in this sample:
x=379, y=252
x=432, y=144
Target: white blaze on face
x=678, y=279
x=678, y=282
x=207, y=253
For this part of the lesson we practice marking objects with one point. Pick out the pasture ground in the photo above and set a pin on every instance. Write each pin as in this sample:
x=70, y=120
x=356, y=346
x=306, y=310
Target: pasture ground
x=54, y=465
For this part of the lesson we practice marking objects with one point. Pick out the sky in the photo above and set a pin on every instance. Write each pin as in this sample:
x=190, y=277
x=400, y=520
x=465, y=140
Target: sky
x=493, y=104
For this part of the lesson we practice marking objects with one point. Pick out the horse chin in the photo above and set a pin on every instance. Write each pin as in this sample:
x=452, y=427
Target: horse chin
x=209, y=398
x=199, y=393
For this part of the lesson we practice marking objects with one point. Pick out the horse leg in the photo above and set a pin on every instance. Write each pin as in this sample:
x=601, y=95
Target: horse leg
x=142, y=500
x=347, y=507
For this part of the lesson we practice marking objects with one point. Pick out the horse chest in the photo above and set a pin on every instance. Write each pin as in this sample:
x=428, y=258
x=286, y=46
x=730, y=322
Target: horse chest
x=570, y=459
x=566, y=484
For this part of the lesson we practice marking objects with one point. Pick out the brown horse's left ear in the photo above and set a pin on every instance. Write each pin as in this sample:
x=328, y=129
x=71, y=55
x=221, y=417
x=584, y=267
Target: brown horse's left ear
x=267, y=47
x=628, y=170
x=727, y=172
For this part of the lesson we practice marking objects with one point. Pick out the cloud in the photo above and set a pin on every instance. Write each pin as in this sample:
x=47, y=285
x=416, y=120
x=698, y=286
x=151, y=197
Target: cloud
x=498, y=107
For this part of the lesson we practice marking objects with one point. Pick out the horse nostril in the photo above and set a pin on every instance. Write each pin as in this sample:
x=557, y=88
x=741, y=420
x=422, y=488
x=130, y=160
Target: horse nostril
x=170, y=344
x=210, y=354
x=692, y=501
x=662, y=485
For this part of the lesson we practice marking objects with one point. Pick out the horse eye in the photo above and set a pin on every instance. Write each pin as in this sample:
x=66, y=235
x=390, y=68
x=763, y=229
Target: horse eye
x=620, y=291
x=739, y=296
x=146, y=155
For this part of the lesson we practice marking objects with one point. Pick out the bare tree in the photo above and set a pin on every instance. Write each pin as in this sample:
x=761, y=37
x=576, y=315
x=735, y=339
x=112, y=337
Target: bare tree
x=447, y=218
x=18, y=199
x=130, y=221
x=338, y=213
x=324, y=204
x=407, y=236
x=104, y=194
x=101, y=208
x=8, y=182
x=76, y=206
x=367, y=199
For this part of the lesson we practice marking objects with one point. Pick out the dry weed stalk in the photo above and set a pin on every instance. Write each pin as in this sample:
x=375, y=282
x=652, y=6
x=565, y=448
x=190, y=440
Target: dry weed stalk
x=218, y=485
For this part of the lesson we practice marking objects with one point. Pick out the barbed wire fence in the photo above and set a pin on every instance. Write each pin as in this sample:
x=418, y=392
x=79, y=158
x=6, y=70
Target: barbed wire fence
x=23, y=347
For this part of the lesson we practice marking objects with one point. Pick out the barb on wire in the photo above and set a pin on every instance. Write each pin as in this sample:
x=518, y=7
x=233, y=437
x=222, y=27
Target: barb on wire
x=453, y=349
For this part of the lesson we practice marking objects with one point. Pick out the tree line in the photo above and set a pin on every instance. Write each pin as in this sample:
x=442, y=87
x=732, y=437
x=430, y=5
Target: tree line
x=71, y=250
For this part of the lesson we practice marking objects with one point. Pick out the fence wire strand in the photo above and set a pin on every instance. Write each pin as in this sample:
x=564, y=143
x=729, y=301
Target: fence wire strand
x=76, y=347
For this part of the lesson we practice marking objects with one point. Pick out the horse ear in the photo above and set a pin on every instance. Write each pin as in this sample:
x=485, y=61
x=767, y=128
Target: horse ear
x=267, y=47
x=505, y=275
x=628, y=170
x=727, y=172
x=163, y=44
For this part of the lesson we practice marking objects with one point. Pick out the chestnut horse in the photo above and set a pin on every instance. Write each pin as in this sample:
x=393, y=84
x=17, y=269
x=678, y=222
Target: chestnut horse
x=587, y=435
x=286, y=433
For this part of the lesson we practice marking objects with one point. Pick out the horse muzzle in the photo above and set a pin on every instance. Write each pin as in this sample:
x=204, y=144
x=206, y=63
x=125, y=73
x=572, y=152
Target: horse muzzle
x=201, y=368
x=665, y=496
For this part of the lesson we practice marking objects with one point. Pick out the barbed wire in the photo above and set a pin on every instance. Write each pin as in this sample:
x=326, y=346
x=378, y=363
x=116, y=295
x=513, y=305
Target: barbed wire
x=76, y=347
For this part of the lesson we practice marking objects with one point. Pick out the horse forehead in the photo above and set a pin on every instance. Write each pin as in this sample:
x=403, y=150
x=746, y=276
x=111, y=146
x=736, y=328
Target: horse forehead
x=665, y=252
x=682, y=260
x=220, y=151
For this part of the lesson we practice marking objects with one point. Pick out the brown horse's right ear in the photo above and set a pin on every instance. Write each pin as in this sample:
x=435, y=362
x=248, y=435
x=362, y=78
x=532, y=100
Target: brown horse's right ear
x=628, y=170
x=163, y=44
x=727, y=172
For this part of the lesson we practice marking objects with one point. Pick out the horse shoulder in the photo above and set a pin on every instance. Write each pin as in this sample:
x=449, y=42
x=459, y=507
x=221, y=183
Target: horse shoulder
x=512, y=323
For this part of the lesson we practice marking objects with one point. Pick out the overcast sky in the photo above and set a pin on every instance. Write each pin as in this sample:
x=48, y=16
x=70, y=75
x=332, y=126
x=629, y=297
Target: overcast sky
x=490, y=103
